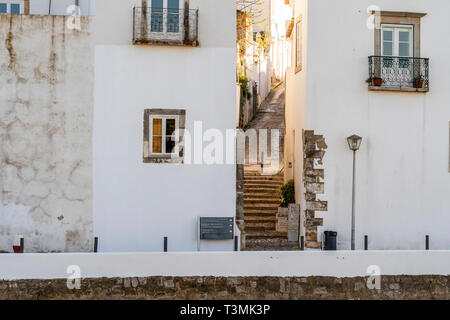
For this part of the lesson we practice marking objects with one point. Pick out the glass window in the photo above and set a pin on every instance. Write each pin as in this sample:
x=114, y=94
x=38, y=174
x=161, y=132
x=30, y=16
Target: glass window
x=163, y=131
x=15, y=8
x=157, y=136
x=3, y=8
x=397, y=41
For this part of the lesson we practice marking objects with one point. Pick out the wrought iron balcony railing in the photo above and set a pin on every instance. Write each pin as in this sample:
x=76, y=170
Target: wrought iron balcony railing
x=399, y=73
x=165, y=26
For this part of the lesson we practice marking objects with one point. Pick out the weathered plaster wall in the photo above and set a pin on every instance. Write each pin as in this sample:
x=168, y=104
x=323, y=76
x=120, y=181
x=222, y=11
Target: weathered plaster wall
x=46, y=101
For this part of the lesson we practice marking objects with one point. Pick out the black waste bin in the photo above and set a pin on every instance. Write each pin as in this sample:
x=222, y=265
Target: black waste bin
x=330, y=240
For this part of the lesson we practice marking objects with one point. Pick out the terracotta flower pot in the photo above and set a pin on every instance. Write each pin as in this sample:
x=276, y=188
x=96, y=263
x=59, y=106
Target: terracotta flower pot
x=418, y=85
x=377, y=82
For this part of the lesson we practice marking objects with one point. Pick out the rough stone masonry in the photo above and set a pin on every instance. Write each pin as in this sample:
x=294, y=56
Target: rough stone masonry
x=314, y=147
x=402, y=287
x=46, y=104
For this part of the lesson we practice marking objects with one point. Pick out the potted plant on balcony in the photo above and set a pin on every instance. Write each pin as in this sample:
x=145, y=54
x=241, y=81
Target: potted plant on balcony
x=375, y=81
x=418, y=82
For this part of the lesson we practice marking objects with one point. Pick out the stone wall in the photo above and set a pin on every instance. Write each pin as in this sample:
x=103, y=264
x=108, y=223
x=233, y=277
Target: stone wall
x=46, y=102
x=237, y=288
x=314, y=147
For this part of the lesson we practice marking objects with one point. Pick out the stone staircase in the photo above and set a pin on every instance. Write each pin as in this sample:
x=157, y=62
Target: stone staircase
x=262, y=197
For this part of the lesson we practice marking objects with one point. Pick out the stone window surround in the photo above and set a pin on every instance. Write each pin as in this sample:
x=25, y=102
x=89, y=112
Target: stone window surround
x=298, y=41
x=398, y=18
x=151, y=158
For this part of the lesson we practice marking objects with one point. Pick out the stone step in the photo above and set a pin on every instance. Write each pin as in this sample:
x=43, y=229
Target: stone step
x=259, y=219
x=265, y=206
x=271, y=236
x=266, y=191
x=257, y=173
x=271, y=246
x=263, y=182
x=252, y=196
x=268, y=185
x=264, y=178
x=260, y=227
x=260, y=213
x=258, y=201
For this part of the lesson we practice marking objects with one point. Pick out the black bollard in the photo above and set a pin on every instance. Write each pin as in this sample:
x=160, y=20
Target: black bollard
x=165, y=244
x=366, y=242
x=236, y=243
x=427, y=242
x=95, y=244
x=22, y=245
x=302, y=243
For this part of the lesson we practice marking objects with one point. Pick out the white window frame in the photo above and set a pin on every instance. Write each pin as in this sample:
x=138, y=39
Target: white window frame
x=176, y=135
x=10, y=2
x=395, y=38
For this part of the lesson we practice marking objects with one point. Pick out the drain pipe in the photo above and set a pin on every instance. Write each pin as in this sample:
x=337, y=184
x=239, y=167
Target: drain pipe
x=49, y=7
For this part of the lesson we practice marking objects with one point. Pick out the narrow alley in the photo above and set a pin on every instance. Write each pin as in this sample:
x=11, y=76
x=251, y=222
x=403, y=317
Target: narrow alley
x=262, y=185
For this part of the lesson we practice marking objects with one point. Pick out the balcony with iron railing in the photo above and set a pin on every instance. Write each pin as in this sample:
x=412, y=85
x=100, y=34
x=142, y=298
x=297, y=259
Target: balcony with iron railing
x=165, y=26
x=388, y=73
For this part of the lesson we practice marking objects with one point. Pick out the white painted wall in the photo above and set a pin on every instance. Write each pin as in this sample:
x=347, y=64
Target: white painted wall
x=403, y=180
x=137, y=204
x=59, y=7
x=340, y=264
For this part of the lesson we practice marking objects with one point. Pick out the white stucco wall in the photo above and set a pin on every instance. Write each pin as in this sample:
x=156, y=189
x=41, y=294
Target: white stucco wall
x=46, y=101
x=136, y=204
x=403, y=180
x=59, y=7
x=339, y=264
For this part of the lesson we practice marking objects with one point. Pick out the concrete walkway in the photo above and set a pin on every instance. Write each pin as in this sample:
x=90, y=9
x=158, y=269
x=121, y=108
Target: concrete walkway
x=269, y=116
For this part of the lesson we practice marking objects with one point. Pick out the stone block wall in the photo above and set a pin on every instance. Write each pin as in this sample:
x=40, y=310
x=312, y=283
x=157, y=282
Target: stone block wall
x=46, y=105
x=314, y=147
x=402, y=287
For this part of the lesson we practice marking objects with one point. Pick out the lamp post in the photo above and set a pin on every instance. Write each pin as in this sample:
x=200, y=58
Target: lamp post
x=354, y=142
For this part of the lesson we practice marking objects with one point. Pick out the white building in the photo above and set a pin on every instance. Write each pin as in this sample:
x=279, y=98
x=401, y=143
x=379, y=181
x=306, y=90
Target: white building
x=52, y=7
x=402, y=167
x=88, y=126
x=175, y=74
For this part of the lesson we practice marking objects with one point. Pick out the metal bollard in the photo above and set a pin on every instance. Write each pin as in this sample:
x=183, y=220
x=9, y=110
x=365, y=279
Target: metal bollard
x=95, y=244
x=366, y=242
x=22, y=245
x=302, y=243
x=427, y=242
x=236, y=243
x=165, y=244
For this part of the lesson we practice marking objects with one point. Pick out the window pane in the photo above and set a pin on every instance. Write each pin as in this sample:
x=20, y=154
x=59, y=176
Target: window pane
x=15, y=8
x=388, y=35
x=2, y=7
x=157, y=4
x=170, y=127
x=387, y=49
x=170, y=145
x=403, y=35
x=403, y=49
x=156, y=144
x=157, y=126
x=173, y=4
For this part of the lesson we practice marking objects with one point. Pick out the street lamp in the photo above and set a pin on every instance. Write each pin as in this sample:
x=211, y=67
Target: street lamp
x=354, y=142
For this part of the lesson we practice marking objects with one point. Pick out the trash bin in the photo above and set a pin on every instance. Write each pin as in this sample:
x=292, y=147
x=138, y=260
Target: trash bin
x=330, y=240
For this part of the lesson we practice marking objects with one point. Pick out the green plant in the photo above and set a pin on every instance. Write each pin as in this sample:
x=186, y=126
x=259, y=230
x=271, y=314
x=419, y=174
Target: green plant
x=288, y=193
x=245, y=91
x=419, y=80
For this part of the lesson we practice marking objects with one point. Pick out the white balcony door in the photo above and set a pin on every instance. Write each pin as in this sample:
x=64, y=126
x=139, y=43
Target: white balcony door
x=397, y=41
x=166, y=19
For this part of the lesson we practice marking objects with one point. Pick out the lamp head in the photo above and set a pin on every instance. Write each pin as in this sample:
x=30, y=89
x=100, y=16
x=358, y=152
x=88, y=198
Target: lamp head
x=354, y=142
